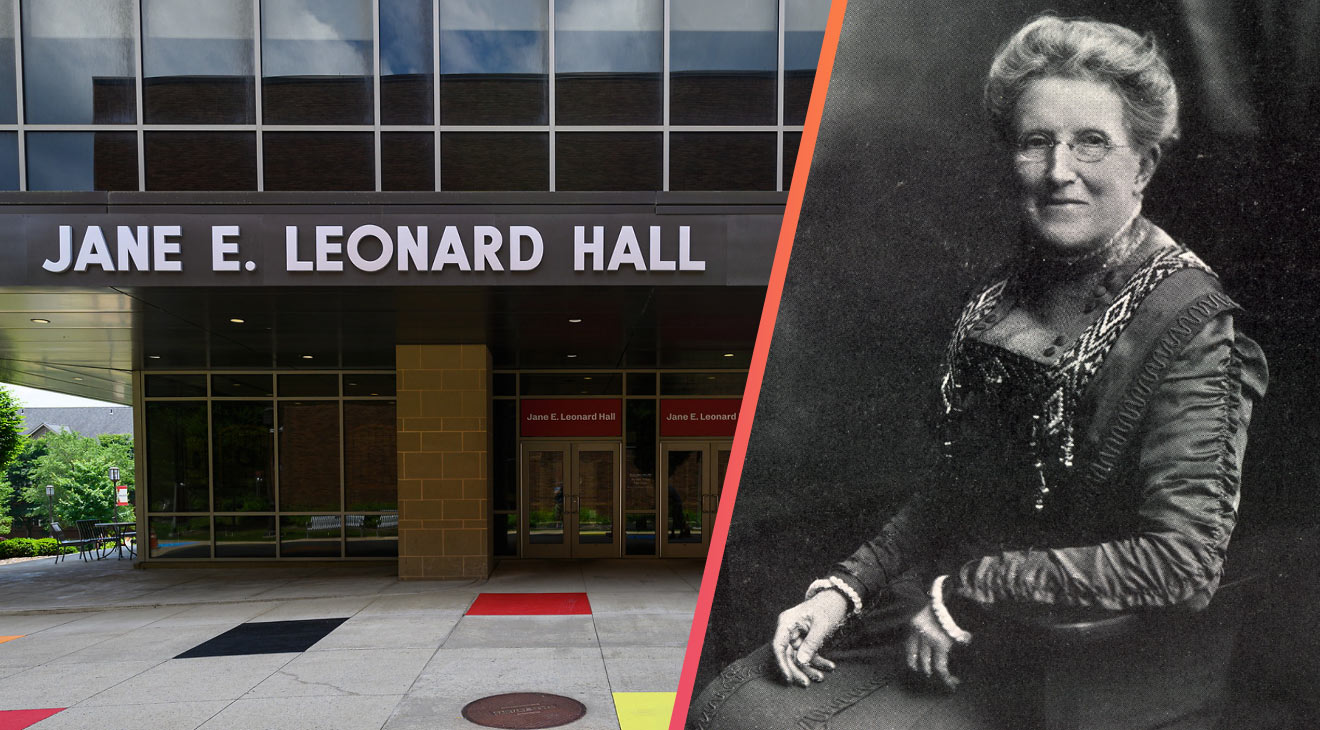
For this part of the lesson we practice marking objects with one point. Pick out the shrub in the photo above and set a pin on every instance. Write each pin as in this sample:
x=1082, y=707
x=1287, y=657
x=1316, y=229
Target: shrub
x=26, y=547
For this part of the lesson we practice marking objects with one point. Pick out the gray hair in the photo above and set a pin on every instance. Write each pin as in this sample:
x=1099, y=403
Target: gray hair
x=1131, y=64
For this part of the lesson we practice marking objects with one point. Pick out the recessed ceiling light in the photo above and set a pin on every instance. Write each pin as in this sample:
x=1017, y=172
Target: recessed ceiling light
x=307, y=357
x=710, y=377
x=352, y=383
x=375, y=393
x=154, y=357
x=586, y=377
x=575, y=320
x=572, y=355
x=78, y=379
x=236, y=320
x=728, y=354
x=39, y=320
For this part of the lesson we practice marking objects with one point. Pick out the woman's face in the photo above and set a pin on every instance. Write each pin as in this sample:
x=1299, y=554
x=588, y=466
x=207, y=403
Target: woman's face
x=1070, y=205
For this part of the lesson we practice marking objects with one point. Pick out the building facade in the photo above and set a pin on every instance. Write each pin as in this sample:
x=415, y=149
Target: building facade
x=434, y=281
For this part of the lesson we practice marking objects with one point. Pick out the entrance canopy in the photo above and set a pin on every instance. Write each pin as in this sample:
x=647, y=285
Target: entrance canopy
x=96, y=285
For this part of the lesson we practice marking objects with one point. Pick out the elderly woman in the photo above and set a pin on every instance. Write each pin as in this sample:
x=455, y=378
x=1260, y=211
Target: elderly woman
x=1095, y=408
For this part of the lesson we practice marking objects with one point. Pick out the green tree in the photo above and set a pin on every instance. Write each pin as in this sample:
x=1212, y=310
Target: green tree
x=16, y=497
x=78, y=467
x=11, y=444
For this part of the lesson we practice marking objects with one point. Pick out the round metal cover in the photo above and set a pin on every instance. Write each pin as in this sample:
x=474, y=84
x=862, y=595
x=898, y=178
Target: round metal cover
x=524, y=710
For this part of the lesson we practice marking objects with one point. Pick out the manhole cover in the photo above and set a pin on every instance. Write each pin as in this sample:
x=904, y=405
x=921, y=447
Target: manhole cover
x=524, y=710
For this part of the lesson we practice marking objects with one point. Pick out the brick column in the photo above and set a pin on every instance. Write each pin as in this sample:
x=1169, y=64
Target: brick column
x=444, y=449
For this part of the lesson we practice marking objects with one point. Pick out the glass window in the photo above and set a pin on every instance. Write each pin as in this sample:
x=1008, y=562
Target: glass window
x=722, y=161
x=608, y=160
x=180, y=537
x=640, y=456
x=505, y=534
x=8, y=87
x=8, y=161
x=82, y=161
x=407, y=161
x=239, y=385
x=309, y=386
x=177, y=479
x=505, y=384
x=368, y=384
x=504, y=454
x=244, y=457
x=197, y=62
x=495, y=161
x=792, y=140
x=371, y=536
x=723, y=55
x=571, y=384
x=245, y=537
x=309, y=456
x=640, y=534
x=493, y=59
x=405, y=62
x=78, y=62
x=609, y=62
x=319, y=161
x=201, y=160
x=175, y=386
x=316, y=536
x=371, y=458
x=804, y=32
x=731, y=384
x=316, y=63
x=641, y=383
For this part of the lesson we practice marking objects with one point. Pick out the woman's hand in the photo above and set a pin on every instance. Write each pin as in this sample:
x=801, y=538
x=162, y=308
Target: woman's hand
x=928, y=646
x=801, y=632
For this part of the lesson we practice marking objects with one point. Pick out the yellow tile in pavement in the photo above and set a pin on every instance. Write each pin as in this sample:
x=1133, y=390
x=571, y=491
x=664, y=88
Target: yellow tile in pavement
x=3, y=639
x=644, y=710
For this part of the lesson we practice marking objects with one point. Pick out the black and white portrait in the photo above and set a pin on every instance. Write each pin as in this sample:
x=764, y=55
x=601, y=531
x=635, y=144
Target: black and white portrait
x=1034, y=446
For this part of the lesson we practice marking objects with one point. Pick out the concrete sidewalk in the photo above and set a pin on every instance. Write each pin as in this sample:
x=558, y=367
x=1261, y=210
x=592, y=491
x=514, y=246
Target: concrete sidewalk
x=99, y=639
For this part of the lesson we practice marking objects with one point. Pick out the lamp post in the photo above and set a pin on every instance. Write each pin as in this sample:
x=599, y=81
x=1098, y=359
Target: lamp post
x=114, y=484
x=50, y=501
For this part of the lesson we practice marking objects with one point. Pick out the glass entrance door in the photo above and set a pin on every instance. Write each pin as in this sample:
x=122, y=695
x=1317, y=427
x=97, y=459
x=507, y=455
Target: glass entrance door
x=692, y=475
x=572, y=500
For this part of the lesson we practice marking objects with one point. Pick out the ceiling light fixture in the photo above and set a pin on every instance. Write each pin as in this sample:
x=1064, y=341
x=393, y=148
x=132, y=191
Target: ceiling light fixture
x=154, y=357
x=39, y=320
x=728, y=354
x=307, y=357
x=571, y=355
x=575, y=320
x=78, y=379
x=236, y=320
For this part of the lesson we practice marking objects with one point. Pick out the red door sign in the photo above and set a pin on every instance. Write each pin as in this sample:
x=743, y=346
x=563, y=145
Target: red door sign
x=708, y=417
x=594, y=417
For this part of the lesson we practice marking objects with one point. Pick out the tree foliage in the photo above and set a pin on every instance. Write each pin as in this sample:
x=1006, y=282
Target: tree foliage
x=11, y=428
x=78, y=467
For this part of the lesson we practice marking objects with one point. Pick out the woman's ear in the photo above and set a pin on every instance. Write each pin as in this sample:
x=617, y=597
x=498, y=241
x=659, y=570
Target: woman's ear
x=1150, y=159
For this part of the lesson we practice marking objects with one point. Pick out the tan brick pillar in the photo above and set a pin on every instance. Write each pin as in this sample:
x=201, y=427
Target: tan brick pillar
x=444, y=455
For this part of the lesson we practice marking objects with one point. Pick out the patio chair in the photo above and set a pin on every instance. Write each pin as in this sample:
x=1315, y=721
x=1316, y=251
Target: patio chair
x=63, y=541
x=94, y=537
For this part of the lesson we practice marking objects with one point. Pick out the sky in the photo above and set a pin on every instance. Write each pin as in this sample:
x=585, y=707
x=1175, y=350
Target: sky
x=33, y=398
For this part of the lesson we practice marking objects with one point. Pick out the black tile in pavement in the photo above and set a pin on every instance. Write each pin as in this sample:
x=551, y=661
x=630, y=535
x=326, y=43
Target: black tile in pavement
x=265, y=637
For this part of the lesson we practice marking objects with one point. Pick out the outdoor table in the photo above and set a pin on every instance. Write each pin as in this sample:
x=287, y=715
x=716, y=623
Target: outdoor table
x=119, y=528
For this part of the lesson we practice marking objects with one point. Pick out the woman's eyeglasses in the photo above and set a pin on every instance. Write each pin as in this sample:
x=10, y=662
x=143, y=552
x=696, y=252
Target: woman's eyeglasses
x=1091, y=147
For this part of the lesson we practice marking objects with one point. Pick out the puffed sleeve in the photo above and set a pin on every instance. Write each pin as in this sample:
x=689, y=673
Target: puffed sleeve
x=1188, y=464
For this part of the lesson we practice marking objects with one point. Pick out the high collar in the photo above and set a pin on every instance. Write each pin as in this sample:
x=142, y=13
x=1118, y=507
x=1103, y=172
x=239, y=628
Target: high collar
x=1038, y=263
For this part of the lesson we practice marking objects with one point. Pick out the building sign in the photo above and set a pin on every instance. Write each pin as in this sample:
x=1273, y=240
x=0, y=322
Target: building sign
x=121, y=496
x=297, y=247
x=593, y=417
x=705, y=417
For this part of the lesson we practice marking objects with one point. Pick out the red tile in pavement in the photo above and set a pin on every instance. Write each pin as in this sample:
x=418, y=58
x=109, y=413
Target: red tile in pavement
x=529, y=604
x=19, y=719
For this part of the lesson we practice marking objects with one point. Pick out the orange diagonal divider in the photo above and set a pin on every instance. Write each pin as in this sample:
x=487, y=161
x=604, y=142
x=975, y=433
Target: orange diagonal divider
x=771, y=308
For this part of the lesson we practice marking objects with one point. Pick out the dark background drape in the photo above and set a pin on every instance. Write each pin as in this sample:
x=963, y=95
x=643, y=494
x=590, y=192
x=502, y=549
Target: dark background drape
x=908, y=204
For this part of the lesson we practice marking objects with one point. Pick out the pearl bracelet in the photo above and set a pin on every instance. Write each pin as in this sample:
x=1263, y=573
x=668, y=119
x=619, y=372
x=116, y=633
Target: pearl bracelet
x=946, y=621
x=833, y=582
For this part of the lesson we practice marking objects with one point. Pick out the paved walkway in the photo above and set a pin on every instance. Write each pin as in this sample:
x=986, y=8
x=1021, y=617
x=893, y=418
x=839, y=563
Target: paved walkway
x=99, y=639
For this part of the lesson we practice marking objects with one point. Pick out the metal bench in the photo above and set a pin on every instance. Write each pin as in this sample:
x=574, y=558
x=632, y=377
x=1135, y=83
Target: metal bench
x=80, y=543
